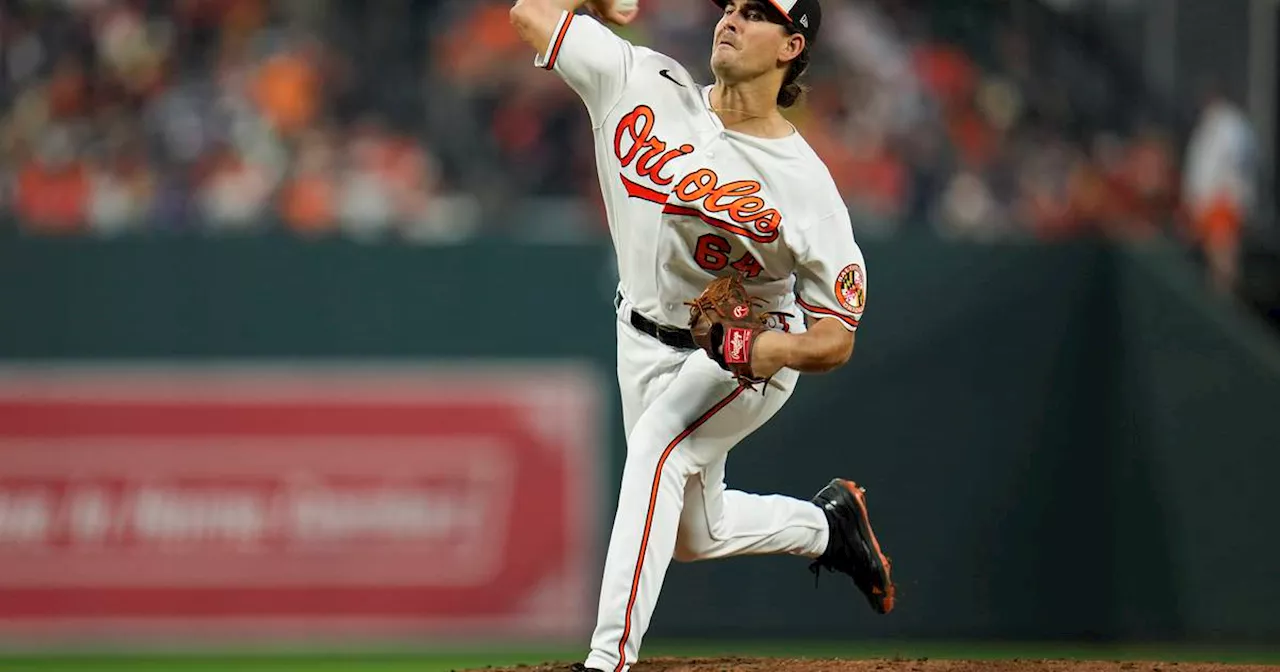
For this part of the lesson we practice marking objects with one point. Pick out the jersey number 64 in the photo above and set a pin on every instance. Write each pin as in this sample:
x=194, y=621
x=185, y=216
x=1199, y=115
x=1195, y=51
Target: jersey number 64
x=713, y=253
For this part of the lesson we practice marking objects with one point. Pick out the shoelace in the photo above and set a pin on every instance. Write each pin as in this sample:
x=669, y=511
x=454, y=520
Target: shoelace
x=820, y=564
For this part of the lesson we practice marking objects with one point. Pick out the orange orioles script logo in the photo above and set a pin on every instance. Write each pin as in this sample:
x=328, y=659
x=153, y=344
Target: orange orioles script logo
x=634, y=142
x=851, y=289
x=744, y=211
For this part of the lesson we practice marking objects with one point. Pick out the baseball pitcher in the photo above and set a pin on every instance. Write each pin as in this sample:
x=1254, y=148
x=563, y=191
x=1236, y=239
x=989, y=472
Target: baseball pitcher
x=738, y=272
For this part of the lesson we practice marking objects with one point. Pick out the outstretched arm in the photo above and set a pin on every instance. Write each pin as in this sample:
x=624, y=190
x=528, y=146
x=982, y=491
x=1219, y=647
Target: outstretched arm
x=536, y=20
x=589, y=57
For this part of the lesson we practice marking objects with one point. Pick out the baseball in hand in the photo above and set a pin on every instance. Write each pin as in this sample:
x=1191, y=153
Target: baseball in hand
x=626, y=6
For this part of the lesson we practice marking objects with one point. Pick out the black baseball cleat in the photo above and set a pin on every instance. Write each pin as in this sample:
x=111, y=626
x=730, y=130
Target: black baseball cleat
x=852, y=548
x=579, y=667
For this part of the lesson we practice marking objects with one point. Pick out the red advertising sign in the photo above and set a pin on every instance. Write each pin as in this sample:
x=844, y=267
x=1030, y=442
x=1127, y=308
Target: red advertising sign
x=278, y=501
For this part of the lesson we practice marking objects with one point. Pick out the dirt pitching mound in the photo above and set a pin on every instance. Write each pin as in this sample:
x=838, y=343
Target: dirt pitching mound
x=922, y=665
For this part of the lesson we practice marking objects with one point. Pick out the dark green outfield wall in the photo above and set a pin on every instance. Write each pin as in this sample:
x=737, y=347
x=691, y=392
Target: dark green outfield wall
x=1058, y=441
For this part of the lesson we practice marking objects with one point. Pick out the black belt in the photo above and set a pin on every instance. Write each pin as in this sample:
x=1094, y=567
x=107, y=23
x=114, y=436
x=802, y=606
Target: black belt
x=680, y=339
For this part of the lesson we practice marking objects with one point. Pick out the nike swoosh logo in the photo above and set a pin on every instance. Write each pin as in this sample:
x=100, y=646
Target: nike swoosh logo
x=667, y=74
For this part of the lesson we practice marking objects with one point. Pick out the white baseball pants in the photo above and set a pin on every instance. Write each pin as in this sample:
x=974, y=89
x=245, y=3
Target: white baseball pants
x=682, y=414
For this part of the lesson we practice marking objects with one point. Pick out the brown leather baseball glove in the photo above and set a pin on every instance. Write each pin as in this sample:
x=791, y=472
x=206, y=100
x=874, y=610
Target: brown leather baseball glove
x=725, y=323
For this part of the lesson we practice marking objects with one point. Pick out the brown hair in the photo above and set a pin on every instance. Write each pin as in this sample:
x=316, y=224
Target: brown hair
x=792, y=89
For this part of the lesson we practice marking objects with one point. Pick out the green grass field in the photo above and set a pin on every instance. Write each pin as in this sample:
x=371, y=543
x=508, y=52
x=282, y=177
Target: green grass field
x=457, y=659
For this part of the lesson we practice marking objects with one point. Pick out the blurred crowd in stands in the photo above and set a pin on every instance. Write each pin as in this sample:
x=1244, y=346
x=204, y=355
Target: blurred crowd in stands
x=425, y=121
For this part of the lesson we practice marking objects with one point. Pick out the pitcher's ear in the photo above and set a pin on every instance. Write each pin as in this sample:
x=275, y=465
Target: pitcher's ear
x=792, y=48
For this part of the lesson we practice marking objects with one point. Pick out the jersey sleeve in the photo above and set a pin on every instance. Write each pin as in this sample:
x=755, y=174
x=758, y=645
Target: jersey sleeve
x=591, y=59
x=831, y=274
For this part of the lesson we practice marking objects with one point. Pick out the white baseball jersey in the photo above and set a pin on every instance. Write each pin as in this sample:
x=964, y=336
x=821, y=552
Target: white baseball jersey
x=689, y=200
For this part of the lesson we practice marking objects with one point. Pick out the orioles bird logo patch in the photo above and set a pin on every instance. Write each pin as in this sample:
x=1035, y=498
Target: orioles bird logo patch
x=851, y=289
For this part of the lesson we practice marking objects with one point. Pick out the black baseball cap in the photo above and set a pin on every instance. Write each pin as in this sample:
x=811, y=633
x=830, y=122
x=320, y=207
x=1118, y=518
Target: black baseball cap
x=804, y=16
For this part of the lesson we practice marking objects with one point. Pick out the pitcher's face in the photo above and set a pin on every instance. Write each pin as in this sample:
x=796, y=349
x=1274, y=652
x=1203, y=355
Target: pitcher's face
x=749, y=42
